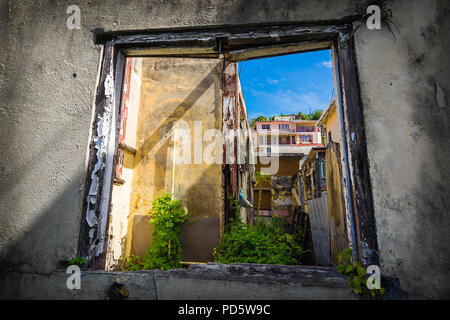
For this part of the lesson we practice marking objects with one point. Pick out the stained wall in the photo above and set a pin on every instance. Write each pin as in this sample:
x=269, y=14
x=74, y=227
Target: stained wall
x=48, y=77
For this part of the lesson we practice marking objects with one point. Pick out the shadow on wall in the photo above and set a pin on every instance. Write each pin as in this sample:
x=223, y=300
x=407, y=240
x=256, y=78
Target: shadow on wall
x=199, y=238
x=50, y=239
x=198, y=187
x=167, y=125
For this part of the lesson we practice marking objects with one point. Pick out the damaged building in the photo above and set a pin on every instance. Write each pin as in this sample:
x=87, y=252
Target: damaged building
x=78, y=135
x=170, y=141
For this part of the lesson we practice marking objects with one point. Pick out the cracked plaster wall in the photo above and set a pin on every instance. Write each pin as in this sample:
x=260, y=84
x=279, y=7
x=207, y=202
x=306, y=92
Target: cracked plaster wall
x=47, y=84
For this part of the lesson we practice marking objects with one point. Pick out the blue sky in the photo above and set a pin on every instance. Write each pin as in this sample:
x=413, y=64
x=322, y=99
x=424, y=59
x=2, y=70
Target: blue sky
x=287, y=84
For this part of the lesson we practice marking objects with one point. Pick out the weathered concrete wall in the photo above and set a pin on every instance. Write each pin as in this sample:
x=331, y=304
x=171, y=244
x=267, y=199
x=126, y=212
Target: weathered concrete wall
x=176, y=94
x=339, y=232
x=47, y=83
x=339, y=235
x=405, y=91
x=199, y=282
x=120, y=198
x=279, y=196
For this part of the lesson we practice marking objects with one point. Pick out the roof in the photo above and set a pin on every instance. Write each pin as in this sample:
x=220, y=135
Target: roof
x=311, y=153
x=295, y=121
x=327, y=112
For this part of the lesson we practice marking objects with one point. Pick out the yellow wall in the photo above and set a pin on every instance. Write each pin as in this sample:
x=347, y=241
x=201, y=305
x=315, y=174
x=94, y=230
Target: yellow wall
x=176, y=90
x=120, y=202
x=333, y=125
x=338, y=229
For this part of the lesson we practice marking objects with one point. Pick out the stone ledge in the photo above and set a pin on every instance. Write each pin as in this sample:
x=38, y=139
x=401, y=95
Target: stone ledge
x=209, y=281
x=304, y=275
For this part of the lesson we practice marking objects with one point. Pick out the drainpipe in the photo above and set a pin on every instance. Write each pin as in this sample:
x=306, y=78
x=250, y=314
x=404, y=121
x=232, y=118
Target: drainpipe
x=345, y=151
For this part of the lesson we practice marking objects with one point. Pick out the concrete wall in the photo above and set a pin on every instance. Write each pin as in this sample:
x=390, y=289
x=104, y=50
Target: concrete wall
x=119, y=225
x=176, y=92
x=279, y=196
x=340, y=234
x=405, y=91
x=199, y=282
x=47, y=84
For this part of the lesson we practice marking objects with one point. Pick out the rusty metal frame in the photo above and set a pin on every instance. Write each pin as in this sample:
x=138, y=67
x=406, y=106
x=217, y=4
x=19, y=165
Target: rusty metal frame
x=231, y=44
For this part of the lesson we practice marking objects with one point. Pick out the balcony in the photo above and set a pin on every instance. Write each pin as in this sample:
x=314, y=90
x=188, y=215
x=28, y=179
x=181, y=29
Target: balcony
x=292, y=149
x=276, y=130
x=304, y=129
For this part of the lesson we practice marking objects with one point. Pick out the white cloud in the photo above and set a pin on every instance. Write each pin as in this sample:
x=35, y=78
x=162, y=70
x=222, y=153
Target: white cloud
x=287, y=101
x=272, y=81
x=255, y=115
x=326, y=64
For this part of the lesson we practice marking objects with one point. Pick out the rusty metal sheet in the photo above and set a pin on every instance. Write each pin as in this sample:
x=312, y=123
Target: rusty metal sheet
x=320, y=228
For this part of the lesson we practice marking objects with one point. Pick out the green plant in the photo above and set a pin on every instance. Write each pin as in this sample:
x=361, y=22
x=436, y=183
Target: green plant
x=263, y=242
x=234, y=204
x=134, y=263
x=165, y=252
x=78, y=260
x=312, y=116
x=259, y=119
x=357, y=275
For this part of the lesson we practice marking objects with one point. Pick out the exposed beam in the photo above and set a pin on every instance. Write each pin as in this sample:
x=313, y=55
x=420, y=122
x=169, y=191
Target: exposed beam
x=275, y=50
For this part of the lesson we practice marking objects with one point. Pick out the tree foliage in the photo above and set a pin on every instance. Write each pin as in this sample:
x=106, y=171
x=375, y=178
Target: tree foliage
x=312, y=116
x=300, y=116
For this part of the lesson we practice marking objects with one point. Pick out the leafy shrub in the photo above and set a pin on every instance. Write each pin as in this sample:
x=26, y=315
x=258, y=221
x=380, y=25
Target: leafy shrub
x=357, y=275
x=165, y=252
x=263, y=242
x=78, y=260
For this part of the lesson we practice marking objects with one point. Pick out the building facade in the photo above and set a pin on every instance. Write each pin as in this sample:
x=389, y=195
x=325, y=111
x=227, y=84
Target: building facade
x=287, y=135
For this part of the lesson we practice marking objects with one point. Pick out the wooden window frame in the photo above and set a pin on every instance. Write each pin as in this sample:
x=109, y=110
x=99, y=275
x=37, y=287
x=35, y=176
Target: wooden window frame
x=232, y=44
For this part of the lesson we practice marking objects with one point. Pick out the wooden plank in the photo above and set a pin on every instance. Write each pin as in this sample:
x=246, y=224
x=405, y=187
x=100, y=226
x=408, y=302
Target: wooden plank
x=93, y=238
x=275, y=50
x=216, y=40
x=128, y=148
x=123, y=120
x=91, y=191
x=357, y=152
x=117, y=71
x=209, y=52
x=230, y=125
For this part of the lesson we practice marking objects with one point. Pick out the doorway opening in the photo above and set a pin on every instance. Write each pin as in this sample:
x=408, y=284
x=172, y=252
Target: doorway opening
x=290, y=100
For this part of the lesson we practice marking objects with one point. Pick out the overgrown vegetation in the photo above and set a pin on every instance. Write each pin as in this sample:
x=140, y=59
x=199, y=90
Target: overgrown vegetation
x=79, y=261
x=165, y=252
x=312, y=116
x=357, y=275
x=262, y=242
x=299, y=116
